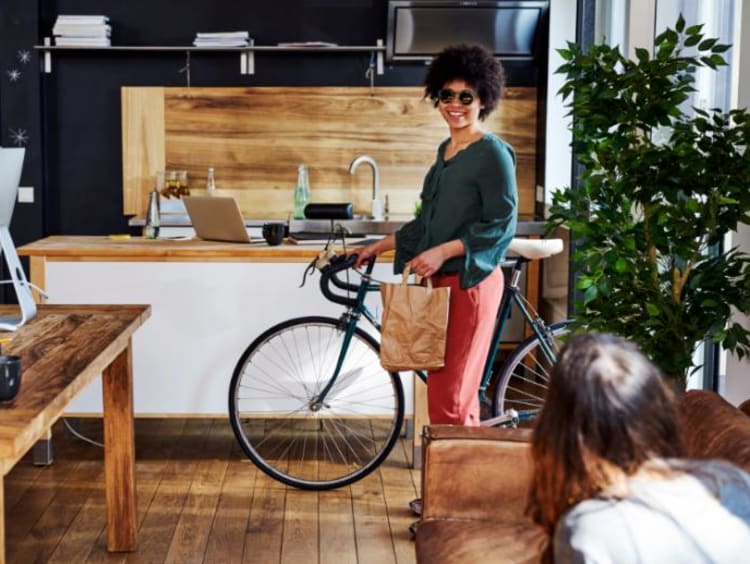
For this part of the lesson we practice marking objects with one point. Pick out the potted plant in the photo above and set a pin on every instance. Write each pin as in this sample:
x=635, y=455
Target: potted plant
x=658, y=191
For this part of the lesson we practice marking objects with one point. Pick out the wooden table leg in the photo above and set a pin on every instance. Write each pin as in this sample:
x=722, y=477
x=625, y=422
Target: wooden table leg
x=2, y=521
x=38, y=276
x=421, y=418
x=119, y=452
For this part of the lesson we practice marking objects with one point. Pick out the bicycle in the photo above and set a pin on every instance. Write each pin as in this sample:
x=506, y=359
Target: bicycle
x=311, y=406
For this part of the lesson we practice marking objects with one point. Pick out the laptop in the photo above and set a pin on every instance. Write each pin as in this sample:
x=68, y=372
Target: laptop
x=216, y=218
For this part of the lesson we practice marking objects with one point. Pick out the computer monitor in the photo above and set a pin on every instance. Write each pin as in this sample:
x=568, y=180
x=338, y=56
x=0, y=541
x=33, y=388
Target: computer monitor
x=11, y=163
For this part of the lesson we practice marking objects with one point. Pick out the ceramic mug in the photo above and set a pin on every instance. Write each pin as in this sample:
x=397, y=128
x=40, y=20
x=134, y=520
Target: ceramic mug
x=274, y=233
x=10, y=376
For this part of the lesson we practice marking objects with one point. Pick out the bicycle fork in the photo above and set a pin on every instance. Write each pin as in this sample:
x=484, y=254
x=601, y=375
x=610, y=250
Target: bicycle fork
x=350, y=319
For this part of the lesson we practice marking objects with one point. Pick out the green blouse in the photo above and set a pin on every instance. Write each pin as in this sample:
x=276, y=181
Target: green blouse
x=471, y=197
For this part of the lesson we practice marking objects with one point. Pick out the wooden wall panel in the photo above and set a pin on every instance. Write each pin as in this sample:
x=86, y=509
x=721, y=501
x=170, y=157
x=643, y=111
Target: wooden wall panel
x=142, y=144
x=255, y=138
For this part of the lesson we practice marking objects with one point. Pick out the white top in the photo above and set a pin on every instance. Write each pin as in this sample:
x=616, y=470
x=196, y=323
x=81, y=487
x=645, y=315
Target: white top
x=700, y=516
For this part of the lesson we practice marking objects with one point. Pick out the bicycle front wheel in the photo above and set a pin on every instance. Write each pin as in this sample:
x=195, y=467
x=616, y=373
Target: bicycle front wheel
x=523, y=378
x=294, y=438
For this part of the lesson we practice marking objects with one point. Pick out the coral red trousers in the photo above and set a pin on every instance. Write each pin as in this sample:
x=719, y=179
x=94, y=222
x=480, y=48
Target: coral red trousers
x=452, y=391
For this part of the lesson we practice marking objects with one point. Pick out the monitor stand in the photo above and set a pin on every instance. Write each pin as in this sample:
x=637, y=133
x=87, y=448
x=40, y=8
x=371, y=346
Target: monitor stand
x=20, y=284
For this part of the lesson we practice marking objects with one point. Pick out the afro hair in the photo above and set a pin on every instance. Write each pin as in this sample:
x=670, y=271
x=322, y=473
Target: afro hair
x=473, y=64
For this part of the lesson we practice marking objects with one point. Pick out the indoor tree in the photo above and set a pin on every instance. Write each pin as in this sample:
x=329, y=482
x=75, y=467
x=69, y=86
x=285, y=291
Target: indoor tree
x=659, y=188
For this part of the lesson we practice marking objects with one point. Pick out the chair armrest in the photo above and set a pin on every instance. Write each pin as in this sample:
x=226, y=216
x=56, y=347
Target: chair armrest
x=475, y=473
x=713, y=428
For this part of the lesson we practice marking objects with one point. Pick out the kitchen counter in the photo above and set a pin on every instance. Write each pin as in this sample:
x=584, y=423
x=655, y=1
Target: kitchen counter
x=209, y=301
x=101, y=248
x=140, y=249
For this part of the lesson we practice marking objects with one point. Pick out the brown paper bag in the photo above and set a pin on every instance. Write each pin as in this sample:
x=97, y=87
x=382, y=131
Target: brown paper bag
x=415, y=321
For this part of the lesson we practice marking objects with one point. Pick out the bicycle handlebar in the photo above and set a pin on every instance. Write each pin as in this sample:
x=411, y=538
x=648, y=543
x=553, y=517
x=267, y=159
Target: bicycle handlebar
x=328, y=276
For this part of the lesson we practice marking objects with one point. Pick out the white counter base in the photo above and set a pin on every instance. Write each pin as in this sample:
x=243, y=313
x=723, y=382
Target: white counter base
x=204, y=316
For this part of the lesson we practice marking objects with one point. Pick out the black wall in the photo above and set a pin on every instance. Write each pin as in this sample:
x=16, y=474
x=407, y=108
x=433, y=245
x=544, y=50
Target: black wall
x=72, y=116
x=20, y=107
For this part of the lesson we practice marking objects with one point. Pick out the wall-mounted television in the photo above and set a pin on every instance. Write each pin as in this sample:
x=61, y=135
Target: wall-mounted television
x=419, y=29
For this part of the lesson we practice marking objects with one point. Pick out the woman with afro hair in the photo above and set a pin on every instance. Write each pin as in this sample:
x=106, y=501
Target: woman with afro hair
x=468, y=218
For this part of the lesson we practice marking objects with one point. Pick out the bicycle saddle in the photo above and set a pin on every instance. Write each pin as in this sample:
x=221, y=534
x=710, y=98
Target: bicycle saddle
x=534, y=249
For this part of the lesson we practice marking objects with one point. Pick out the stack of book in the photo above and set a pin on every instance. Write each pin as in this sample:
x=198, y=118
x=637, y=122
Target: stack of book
x=222, y=39
x=82, y=31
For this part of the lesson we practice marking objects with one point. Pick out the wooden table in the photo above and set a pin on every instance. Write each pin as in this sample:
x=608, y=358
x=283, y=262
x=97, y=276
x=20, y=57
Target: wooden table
x=63, y=349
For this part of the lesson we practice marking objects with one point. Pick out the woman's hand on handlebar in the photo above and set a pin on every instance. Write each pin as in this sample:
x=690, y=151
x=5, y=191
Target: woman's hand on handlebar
x=375, y=249
x=364, y=254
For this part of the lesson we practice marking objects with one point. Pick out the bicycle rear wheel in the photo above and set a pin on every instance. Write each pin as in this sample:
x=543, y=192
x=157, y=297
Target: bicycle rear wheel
x=271, y=404
x=523, y=378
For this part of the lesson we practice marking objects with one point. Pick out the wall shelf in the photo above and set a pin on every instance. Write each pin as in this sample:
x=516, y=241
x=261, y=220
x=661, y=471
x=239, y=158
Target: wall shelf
x=247, y=53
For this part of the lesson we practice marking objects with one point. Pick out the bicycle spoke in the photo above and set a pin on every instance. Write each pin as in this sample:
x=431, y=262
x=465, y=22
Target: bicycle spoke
x=524, y=378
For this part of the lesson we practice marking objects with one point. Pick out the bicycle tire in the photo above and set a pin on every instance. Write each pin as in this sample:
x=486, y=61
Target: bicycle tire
x=273, y=384
x=523, y=378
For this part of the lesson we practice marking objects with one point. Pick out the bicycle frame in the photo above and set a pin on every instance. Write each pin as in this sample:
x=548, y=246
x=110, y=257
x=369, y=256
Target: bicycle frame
x=512, y=294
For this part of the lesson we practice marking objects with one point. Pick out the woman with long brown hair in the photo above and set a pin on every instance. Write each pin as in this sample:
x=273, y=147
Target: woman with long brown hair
x=608, y=483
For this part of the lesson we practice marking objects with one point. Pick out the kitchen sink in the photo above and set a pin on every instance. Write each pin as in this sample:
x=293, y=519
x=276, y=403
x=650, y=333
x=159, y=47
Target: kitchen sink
x=359, y=225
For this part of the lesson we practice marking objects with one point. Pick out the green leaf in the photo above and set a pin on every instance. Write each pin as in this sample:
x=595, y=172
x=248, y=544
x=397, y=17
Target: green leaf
x=693, y=40
x=590, y=294
x=621, y=265
x=652, y=310
x=680, y=25
x=707, y=44
x=642, y=54
x=708, y=62
x=566, y=54
x=694, y=29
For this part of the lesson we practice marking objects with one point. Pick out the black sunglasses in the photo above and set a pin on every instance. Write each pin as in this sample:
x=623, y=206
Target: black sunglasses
x=446, y=96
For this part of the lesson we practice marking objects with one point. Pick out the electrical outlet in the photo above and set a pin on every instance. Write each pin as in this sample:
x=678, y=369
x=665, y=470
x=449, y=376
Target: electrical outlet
x=25, y=194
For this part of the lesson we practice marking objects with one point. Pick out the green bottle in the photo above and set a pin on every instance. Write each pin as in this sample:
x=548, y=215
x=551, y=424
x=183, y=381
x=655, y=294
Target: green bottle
x=301, y=192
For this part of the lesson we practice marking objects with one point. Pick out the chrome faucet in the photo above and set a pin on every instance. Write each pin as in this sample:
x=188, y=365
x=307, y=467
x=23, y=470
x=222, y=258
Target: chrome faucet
x=377, y=206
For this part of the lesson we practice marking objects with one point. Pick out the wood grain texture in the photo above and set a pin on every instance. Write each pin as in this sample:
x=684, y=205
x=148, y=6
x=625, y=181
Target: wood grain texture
x=161, y=520
x=119, y=451
x=62, y=349
x=421, y=418
x=194, y=527
x=97, y=248
x=142, y=115
x=371, y=524
x=177, y=456
x=227, y=539
x=255, y=137
x=37, y=274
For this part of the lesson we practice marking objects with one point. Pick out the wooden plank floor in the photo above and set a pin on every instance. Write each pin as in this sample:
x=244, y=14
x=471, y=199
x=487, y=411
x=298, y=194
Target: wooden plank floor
x=200, y=500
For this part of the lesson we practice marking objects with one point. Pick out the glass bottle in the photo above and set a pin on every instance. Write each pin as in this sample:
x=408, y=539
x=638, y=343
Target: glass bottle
x=211, y=182
x=183, y=188
x=301, y=192
x=153, y=220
